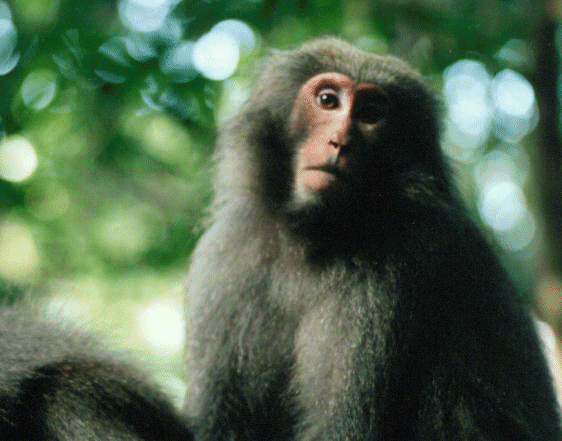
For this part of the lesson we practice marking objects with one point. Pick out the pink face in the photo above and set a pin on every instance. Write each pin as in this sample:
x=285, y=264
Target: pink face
x=328, y=106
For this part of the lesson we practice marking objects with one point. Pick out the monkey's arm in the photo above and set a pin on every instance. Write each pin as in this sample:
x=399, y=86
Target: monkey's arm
x=465, y=408
x=240, y=341
x=59, y=384
x=489, y=378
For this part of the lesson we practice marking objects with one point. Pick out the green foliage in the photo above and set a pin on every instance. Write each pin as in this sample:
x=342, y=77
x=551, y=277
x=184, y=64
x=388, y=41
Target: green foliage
x=107, y=126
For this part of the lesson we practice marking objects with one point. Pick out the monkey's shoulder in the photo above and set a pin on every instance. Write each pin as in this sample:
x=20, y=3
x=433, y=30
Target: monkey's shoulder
x=233, y=256
x=28, y=340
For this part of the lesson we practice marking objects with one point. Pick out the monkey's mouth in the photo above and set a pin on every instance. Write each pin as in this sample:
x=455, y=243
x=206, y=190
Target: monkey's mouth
x=321, y=178
x=337, y=170
x=336, y=165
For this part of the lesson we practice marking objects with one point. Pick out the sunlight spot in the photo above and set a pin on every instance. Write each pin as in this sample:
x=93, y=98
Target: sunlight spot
x=161, y=325
x=18, y=160
x=240, y=31
x=216, y=55
x=469, y=108
x=8, y=40
x=145, y=15
x=19, y=259
x=502, y=205
x=516, y=110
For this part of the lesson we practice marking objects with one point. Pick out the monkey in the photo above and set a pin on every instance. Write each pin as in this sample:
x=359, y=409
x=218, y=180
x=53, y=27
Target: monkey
x=341, y=290
x=61, y=384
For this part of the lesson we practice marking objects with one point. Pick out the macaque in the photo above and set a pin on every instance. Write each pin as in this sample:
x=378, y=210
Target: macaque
x=341, y=292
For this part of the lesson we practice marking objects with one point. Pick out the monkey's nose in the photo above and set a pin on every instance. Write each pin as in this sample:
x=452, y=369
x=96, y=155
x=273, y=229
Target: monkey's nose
x=339, y=139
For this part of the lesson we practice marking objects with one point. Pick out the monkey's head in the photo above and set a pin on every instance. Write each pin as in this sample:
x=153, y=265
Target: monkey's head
x=331, y=131
x=334, y=121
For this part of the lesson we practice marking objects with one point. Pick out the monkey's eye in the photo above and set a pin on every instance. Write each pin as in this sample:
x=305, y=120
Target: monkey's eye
x=371, y=108
x=328, y=99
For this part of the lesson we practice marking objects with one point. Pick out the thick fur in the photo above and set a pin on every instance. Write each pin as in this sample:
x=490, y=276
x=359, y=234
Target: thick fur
x=380, y=314
x=59, y=384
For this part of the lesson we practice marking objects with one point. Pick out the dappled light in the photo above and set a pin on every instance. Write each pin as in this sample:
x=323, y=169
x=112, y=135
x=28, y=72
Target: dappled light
x=126, y=231
x=47, y=199
x=502, y=204
x=478, y=104
x=515, y=108
x=501, y=109
x=469, y=109
x=9, y=57
x=178, y=62
x=145, y=15
x=216, y=55
x=39, y=89
x=18, y=159
x=19, y=257
x=240, y=31
x=161, y=325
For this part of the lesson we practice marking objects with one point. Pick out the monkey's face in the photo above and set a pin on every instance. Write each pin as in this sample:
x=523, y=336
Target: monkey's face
x=336, y=121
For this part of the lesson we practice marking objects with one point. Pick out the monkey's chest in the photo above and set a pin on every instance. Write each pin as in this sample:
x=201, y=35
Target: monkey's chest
x=348, y=324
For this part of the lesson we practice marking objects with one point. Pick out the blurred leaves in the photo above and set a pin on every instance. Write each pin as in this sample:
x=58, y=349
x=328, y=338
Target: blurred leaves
x=107, y=166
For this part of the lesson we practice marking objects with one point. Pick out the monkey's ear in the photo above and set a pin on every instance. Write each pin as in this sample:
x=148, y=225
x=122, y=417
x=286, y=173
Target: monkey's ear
x=276, y=55
x=268, y=66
